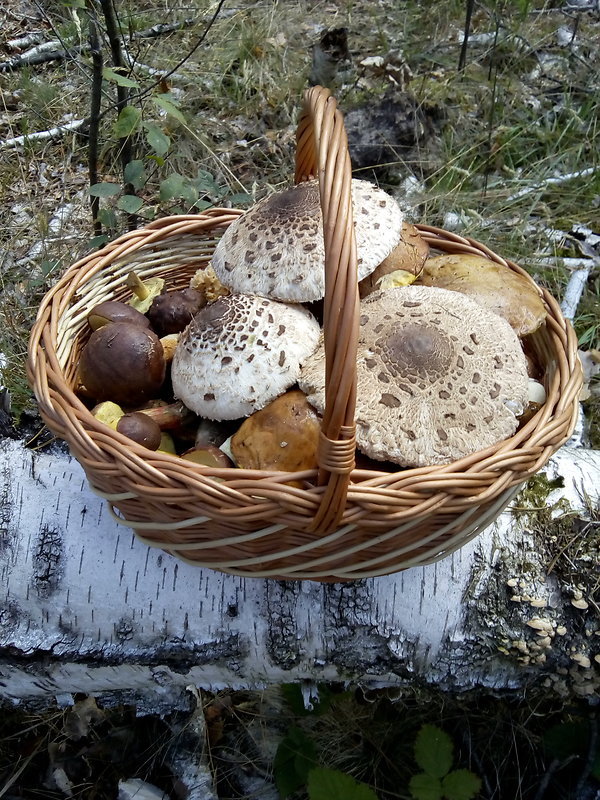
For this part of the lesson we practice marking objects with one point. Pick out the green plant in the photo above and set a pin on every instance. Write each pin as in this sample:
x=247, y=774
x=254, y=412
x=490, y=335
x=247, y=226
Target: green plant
x=296, y=765
x=434, y=754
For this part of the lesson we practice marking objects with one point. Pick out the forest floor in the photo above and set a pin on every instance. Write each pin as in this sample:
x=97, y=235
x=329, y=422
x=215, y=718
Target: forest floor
x=504, y=149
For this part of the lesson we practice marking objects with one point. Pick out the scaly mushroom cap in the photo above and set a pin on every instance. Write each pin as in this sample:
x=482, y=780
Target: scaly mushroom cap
x=276, y=248
x=239, y=353
x=438, y=377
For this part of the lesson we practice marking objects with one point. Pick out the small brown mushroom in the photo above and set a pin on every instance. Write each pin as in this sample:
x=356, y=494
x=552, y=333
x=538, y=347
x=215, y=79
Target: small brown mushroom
x=170, y=312
x=115, y=311
x=282, y=436
x=123, y=363
x=402, y=266
x=140, y=428
x=209, y=456
x=494, y=286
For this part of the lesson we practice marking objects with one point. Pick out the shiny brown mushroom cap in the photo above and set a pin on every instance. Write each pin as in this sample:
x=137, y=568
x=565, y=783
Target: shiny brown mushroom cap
x=438, y=377
x=276, y=248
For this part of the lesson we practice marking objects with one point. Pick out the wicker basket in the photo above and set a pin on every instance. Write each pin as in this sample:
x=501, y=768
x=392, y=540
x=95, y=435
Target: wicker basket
x=346, y=523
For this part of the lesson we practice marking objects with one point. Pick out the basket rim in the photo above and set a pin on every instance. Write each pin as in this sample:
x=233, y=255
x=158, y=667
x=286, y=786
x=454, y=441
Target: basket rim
x=180, y=225
x=261, y=501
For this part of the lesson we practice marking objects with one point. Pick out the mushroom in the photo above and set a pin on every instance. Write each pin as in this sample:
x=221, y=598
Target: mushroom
x=492, y=285
x=438, y=377
x=282, y=436
x=239, y=353
x=402, y=266
x=122, y=362
x=115, y=311
x=276, y=248
x=171, y=312
x=144, y=292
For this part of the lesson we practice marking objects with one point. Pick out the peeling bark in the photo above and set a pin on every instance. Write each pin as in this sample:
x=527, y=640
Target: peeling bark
x=87, y=608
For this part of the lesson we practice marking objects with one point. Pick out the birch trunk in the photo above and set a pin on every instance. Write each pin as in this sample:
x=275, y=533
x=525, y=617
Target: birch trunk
x=87, y=608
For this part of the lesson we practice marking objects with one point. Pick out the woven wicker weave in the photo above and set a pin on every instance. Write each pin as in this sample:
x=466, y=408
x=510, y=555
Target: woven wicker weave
x=347, y=523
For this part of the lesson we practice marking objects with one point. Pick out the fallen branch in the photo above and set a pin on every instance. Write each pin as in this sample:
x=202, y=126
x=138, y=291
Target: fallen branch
x=575, y=286
x=54, y=50
x=571, y=264
x=21, y=42
x=579, y=278
x=152, y=71
x=51, y=133
x=162, y=28
x=47, y=51
x=558, y=179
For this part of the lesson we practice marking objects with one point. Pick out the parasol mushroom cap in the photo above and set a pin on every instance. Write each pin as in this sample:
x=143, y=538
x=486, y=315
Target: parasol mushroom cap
x=276, y=248
x=239, y=353
x=438, y=377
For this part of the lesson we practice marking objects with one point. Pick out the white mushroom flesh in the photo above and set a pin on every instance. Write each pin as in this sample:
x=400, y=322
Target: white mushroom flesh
x=239, y=353
x=277, y=250
x=438, y=377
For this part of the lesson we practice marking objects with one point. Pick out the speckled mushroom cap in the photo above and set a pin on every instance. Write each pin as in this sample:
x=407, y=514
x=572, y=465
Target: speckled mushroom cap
x=438, y=377
x=276, y=248
x=239, y=353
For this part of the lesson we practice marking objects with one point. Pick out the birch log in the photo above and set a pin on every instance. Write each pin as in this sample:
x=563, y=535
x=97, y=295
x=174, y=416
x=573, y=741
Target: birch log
x=87, y=608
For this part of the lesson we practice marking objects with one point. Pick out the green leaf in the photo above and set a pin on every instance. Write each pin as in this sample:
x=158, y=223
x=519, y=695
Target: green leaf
x=172, y=186
x=331, y=784
x=107, y=217
x=48, y=267
x=157, y=140
x=566, y=739
x=461, y=784
x=201, y=205
x=135, y=174
x=111, y=75
x=97, y=241
x=240, y=198
x=130, y=203
x=127, y=121
x=104, y=189
x=425, y=787
x=165, y=102
x=206, y=183
x=433, y=751
x=596, y=767
x=295, y=757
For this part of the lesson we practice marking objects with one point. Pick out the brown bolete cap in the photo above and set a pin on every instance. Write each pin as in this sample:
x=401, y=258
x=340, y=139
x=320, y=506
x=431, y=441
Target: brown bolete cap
x=494, y=286
x=239, y=353
x=438, y=377
x=276, y=248
x=408, y=256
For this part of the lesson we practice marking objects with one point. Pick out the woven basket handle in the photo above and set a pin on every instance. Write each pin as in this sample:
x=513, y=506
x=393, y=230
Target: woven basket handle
x=322, y=152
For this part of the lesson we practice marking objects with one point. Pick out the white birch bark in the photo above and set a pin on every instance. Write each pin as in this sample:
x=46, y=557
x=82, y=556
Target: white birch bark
x=85, y=607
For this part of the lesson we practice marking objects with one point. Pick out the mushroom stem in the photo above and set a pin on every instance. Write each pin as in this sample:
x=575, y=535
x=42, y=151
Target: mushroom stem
x=137, y=286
